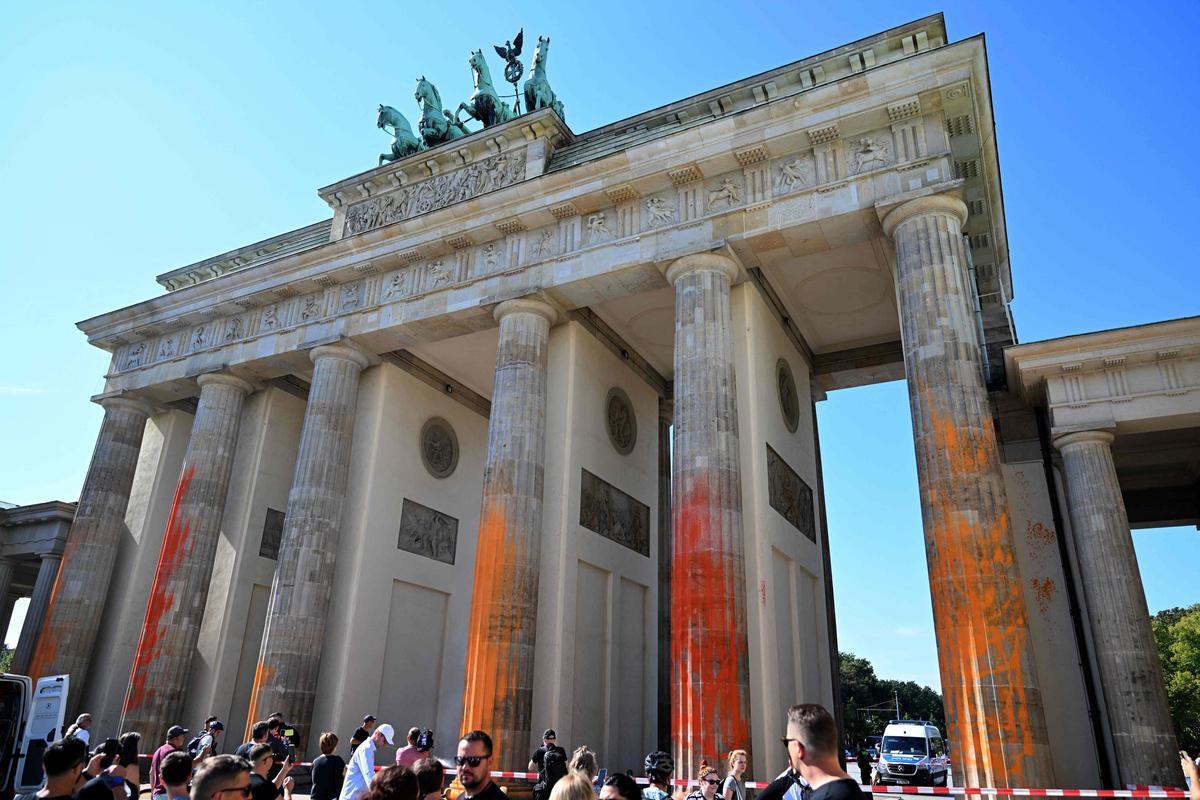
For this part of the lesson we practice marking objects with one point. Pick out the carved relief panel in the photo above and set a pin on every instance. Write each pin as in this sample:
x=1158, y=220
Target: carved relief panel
x=789, y=495
x=427, y=532
x=608, y=511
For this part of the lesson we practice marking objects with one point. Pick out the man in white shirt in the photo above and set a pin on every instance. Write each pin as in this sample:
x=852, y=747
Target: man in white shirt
x=361, y=771
x=80, y=729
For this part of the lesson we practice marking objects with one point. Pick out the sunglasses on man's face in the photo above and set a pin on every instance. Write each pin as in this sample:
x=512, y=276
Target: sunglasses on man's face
x=713, y=781
x=471, y=761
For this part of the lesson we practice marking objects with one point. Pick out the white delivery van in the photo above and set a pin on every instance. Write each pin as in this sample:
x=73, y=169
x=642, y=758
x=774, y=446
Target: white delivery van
x=912, y=753
x=30, y=718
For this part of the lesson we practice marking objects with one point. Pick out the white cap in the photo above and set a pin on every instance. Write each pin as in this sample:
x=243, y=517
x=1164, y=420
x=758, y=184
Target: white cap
x=389, y=733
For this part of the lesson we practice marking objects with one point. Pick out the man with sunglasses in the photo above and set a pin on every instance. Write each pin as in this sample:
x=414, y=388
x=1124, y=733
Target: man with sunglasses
x=812, y=746
x=264, y=787
x=361, y=771
x=474, y=762
x=222, y=778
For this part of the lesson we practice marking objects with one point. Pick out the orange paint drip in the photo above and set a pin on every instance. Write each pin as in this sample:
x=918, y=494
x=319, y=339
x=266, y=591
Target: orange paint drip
x=264, y=677
x=978, y=601
x=709, y=692
x=489, y=696
x=176, y=547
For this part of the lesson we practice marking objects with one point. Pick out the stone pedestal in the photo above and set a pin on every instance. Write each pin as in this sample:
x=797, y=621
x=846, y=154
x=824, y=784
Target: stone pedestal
x=1130, y=674
x=993, y=702
x=498, y=696
x=710, y=701
x=294, y=638
x=69, y=630
x=39, y=601
x=175, y=608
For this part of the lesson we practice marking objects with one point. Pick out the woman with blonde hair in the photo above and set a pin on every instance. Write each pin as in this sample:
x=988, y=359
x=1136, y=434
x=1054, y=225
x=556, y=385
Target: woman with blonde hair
x=584, y=760
x=735, y=782
x=575, y=786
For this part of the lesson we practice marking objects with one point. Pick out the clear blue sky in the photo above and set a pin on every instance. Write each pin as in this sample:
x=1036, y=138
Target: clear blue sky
x=139, y=137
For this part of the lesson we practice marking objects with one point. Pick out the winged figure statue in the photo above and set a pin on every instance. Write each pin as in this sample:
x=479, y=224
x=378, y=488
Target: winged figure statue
x=509, y=52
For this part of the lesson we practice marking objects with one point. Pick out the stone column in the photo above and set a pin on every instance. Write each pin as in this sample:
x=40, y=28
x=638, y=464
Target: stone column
x=1142, y=731
x=985, y=652
x=69, y=631
x=38, y=602
x=35, y=613
x=175, y=608
x=710, y=700
x=498, y=696
x=7, y=566
x=294, y=637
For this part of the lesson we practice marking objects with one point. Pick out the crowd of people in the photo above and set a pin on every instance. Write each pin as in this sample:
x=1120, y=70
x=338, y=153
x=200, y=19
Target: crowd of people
x=260, y=768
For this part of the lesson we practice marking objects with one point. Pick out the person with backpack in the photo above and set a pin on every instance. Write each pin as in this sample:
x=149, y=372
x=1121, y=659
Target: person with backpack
x=553, y=769
x=549, y=742
x=207, y=740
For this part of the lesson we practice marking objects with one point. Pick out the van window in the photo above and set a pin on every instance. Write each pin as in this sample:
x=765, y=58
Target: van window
x=904, y=746
x=935, y=747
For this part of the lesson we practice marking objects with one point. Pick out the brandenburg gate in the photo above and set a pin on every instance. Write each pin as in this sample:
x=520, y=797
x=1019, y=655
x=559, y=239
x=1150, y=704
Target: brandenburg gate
x=525, y=435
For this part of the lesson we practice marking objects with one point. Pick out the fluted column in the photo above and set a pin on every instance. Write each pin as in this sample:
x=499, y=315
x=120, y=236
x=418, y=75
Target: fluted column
x=710, y=700
x=69, y=630
x=985, y=652
x=498, y=696
x=289, y=660
x=38, y=602
x=175, y=608
x=7, y=565
x=1140, y=721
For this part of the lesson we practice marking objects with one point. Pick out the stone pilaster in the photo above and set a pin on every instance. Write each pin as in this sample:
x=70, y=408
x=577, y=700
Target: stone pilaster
x=294, y=637
x=1142, y=732
x=665, y=653
x=985, y=652
x=498, y=696
x=7, y=565
x=38, y=602
x=175, y=608
x=69, y=630
x=710, y=700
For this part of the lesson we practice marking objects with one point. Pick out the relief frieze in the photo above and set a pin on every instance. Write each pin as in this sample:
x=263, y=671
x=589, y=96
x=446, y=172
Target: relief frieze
x=608, y=511
x=788, y=494
x=489, y=174
x=427, y=532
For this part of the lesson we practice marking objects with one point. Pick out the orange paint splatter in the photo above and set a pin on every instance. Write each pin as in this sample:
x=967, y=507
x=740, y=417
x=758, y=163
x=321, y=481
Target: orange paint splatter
x=1044, y=590
x=710, y=686
x=176, y=547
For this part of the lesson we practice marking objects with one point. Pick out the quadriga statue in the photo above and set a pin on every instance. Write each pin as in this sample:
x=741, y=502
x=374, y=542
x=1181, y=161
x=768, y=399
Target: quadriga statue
x=485, y=104
x=538, y=93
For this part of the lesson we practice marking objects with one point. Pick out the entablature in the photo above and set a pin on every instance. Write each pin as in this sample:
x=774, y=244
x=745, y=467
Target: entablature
x=593, y=232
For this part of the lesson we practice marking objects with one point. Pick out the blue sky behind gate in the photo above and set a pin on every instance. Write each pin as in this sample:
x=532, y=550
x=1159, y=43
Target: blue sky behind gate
x=140, y=137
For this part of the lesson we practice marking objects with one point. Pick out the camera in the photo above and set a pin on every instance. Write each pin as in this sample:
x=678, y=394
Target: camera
x=425, y=740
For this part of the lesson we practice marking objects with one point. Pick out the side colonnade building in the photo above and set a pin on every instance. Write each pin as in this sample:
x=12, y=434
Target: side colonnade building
x=525, y=436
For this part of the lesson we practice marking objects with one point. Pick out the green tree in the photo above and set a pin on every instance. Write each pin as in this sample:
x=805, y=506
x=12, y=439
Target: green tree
x=868, y=701
x=1177, y=634
x=6, y=655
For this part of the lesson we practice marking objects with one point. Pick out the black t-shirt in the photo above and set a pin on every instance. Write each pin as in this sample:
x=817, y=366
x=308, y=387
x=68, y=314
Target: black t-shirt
x=539, y=755
x=327, y=775
x=261, y=788
x=776, y=789
x=841, y=789
x=492, y=792
x=97, y=789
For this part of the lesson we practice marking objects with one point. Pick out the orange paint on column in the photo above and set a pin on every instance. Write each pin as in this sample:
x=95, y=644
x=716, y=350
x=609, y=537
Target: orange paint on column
x=176, y=546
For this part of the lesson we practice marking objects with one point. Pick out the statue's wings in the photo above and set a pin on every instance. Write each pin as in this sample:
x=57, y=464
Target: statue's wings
x=516, y=48
x=500, y=51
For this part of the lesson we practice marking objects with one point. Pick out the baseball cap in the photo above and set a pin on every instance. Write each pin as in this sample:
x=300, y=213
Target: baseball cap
x=389, y=734
x=217, y=725
x=549, y=732
x=176, y=730
x=369, y=718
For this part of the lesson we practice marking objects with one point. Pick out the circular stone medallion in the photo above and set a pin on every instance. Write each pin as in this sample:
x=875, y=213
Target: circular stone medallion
x=620, y=421
x=789, y=400
x=439, y=447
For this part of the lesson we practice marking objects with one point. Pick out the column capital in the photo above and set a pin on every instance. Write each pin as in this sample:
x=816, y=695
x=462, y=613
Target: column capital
x=526, y=305
x=339, y=351
x=713, y=262
x=224, y=379
x=129, y=403
x=930, y=204
x=1083, y=437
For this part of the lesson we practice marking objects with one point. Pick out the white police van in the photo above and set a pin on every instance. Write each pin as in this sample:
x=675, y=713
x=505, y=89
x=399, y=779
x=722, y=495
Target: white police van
x=912, y=753
x=31, y=716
